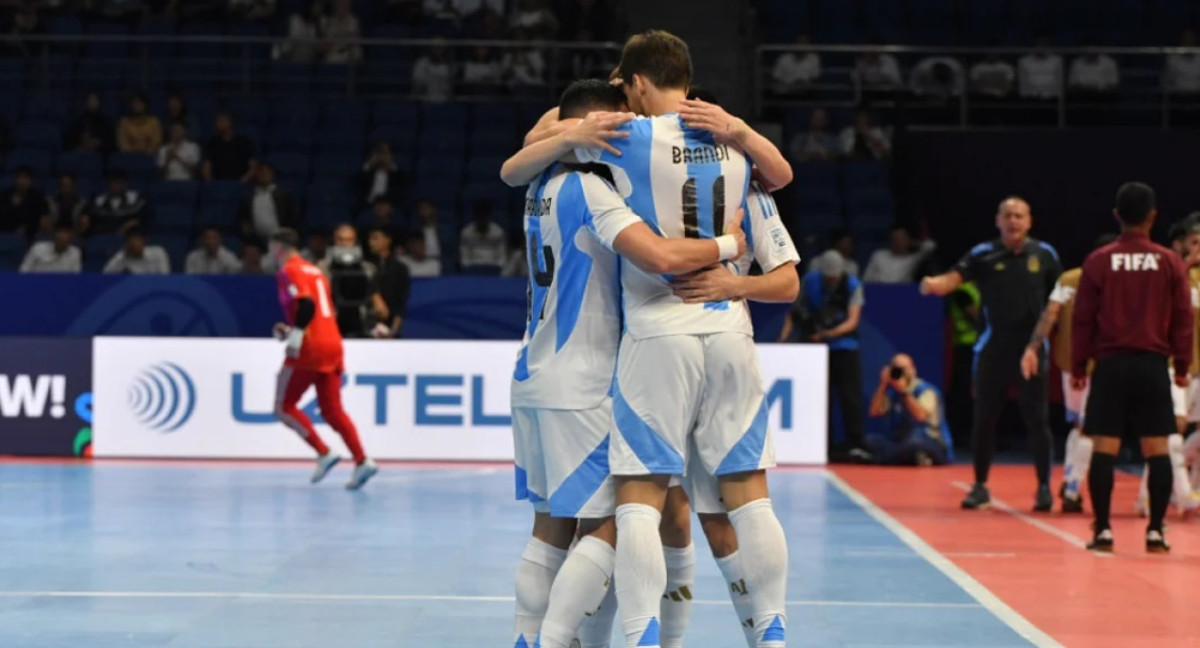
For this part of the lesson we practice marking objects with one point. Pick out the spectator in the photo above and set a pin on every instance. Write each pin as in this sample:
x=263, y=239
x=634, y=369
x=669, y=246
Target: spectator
x=252, y=10
x=937, y=78
x=341, y=33
x=1094, y=74
x=268, y=208
x=382, y=214
x=525, y=67
x=843, y=244
x=878, y=71
x=481, y=244
x=864, y=140
x=483, y=72
x=25, y=22
x=466, y=9
x=23, y=206
x=417, y=258
x=380, y=177
x=139, y=131
x=126, y=11
x=917, y=433
x=535, y=18
x=119, y=209
x=829, y=310
x=390, y=287
x=993, y=77
x=1182, y=73
x=177, y=113
x=93, y=130
x=228, y=156
x=318, y=247
x=68, y=205
x=433, y=76
x=179, y=159
x=897, y=262
x=55, y=256
x=138, y=258
x=304, y=34
x=350, y=281
x=517, y=264
x=796, y=72
x=252, y=259
x=427, y=218
x=1040, y=73
x=818, y=143
x=212, y=257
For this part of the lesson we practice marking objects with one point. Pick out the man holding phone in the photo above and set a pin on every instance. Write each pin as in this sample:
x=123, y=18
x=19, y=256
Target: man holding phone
x=917, y=432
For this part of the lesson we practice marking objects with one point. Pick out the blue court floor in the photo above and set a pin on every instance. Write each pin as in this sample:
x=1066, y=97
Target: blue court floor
x=192, y=555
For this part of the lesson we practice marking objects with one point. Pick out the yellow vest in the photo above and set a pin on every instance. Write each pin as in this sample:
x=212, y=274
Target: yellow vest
x=1061, y=345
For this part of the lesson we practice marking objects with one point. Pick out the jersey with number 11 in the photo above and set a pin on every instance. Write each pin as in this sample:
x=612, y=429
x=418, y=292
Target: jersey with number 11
x=683, y=184
x=322, y=347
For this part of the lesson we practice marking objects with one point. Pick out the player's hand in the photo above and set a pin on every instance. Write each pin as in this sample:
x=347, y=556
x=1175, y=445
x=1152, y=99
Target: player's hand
x=381, y=331
x=295, y=339
x=734, y=228
x=1029, y=364
x=596, y=129
x=280, y=330
x=885, y=375
x=726, y=128
x=712, y=284
x=1182, y=380
x=1079, y=384
x=928, y=286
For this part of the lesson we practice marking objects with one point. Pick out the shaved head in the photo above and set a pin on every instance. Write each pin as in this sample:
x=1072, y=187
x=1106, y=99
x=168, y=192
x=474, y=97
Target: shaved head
x=904, y=361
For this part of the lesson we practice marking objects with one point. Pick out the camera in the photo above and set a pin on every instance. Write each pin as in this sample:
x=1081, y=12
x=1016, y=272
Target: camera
x=896, y=373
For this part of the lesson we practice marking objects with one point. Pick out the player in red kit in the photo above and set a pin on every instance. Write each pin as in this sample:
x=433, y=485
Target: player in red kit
x=314, y=358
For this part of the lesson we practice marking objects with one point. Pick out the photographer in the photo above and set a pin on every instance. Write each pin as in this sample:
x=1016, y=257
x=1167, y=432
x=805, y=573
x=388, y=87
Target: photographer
x=828, y=311
x=350, y=280
x=917, y=433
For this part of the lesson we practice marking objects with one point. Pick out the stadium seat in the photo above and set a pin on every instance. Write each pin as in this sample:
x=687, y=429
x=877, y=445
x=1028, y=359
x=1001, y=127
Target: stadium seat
x=494, y=116
x=441, y=142
x=246, y=109
x=289, y=138
x=223, y=192
x=161, y=51
x=141, y=167
x=869, y=200
x=12, y=251
x=443, y=116
x=394, y=112
x=290, y=79
x=201, y=51
x=334, y=168
x=39, y=161
x=815, y=174
x=871, y=225
x=112, y=44
x=53, y=73
x=820, y=222
x=37, y=135
x=177, y=246
x=176, y=193
x=174, y=218
x=99, y=249
x=342, y=112
x=222, y=215
x=814, y=201
x=81, y=164
x=328, y=215
x=484, y=168
x=329, y=78
x=339, y=141
x=47, y=107
x=401, y=137
x=857, y=175
x=292, y=169
x=286, y=111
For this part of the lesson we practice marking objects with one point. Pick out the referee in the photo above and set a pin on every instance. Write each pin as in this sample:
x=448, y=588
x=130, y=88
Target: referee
x=1133, y=312
x=1015, y=274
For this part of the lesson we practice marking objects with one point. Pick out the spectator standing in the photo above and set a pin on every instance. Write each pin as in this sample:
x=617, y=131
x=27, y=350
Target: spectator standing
x=268, y=208
x=416, y=257
x=828, y=311
x=917, y=433
x=390, y=287
x=380, y=176
x=139, y=131
x=23, y=206
x=212, y=257
x=55, y=256
x=865, y=140
x=341, y=32
x=136, y=257
x=228, y=156
x=318, y=247
x=350, y=278
x=482, y=243
x=427, y=220
x=937, y=78
x=177, y=113
x=1182, y=72
x=93, y=130
x=433, y=76
x=1094, y=74
x=68, y=205
x=304, y=34
x=483, y=72
x=878, y=72
x=897, y=262
x=1040, y=73
x=535, y=18
x=796, y=72
x=525, y=67
x=179, y=158
x=993, y=77
x=818, y=143
x=118, y=209
x=843, y=244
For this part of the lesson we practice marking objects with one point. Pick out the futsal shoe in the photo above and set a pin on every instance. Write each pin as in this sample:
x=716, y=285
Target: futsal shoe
x=978, y=498
x=362, y=473
x=1044, y=502
x=1072, y=504
x=325, y=463
x=1102, y=542
x=1156, y=542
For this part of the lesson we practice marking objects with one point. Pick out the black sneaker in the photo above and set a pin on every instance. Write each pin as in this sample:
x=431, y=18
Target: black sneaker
x=1072, y=504
x=1103, y=541
x=1156, y=542
x=1043, y=502
x=978, y=498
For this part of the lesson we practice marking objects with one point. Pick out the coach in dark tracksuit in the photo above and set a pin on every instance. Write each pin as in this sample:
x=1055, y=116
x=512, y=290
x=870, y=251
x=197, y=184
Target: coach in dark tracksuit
x=1133, y=315
x=1015, y=275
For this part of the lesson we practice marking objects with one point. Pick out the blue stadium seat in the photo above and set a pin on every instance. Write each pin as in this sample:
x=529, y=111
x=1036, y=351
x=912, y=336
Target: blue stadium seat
x=37, y=135
x=856, y=175
x=12, y=251
x=173, y=218
x=443, y=116
x=342, y=111
x=47, y=107
x=868, y=201
x=54, y=73
x=176, y=244
x=81, y=164
x=871, y=225
x=99, y=249
x=290, y=79
x=289, y=138
x=141, y=167
x=12, y=75
x=222, y=215
x=435, y=167
x=291, y=166
x=484, y=168
x=494, y=116
x=815, y=201
x=107, y=74
x=108, y=48
x=330, y=168
x=253, y=51
x=39, y=161
x=176, y=193
x=223, y=192
x=821, y=222
x=329, y=78
x=340, y=141
x=328, y=215
x=247, y=109
x=161, y=51
x=441, y=142
x=402, y=138
x=394, y=112
x=815, y=174
x=209, y=51
x=285, y=111
x=494, y=142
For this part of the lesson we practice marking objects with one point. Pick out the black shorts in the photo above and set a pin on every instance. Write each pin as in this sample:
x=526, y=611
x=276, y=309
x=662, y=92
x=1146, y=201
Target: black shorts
x=1131, y=397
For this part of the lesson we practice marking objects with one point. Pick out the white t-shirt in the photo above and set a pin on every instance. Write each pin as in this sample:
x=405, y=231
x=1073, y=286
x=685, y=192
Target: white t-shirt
x=1183, y=73
x=886, y=266
x=43, y=258
x=153, y=261
x=432, y=80
x=793, y=68
x=1100, y=74
x=881, y=74
x=989, y=78
x=425, y=268
x=482, y=249
x=183, y=168
x=198, y=262
x=1040, y=77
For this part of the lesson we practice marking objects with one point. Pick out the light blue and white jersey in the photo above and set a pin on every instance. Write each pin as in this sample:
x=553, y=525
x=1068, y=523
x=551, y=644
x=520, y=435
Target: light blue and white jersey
x=683, y=184
x=573, y=326
x=766, y=237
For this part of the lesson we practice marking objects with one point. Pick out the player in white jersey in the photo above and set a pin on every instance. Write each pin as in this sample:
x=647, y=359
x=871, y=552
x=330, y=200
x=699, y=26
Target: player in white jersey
x=560, y=403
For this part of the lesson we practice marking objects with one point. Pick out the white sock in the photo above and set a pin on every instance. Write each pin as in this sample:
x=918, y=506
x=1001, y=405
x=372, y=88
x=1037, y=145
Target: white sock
x=597, y=629
x=764, y=558
x=677, y=601
x=579, y=588
x=641, y=574
x=1077, y=463
x=731, y=569
x=535, y=574
x=1191, y=454
x=1182, y=483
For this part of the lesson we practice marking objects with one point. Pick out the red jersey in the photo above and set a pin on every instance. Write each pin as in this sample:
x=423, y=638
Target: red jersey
x=322, y=347
x=1133, y=296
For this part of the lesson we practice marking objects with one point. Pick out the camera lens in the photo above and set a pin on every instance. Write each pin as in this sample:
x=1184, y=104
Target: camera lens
x=897, y=373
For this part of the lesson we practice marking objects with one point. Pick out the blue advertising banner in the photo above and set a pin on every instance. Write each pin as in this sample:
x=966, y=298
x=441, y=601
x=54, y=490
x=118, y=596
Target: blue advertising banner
x=45, y=396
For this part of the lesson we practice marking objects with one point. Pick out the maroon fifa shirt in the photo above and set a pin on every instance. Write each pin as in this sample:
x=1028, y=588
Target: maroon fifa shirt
x=1133, y=297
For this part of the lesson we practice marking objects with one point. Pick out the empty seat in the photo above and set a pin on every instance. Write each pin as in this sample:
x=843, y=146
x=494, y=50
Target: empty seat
x=40, y=162
x=173, y=192
x=174, y=218
x=282, y=111
x=869, y=200
x=289, y=138
x=38, y=135
x=392, y=112
x=222, y=215
x=141, y=167
x=81, y=164
x=857, y=175
x=292, y=168
x=222, y=192
x=209, y=49
x=335, y=168
x=12, y=251
x=50, y=108
x=484, y=168
x=107, y=40
x=443, y=116
x=99, y=249
x=342, y=111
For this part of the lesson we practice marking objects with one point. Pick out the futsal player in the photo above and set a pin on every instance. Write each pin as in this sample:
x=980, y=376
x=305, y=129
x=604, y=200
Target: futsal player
x=561, y=407
x=1133, y=317
x=1057, y=317
x=314, y=358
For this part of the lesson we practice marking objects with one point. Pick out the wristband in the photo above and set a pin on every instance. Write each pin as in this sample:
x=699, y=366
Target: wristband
x=295, y=337
x=727, y=247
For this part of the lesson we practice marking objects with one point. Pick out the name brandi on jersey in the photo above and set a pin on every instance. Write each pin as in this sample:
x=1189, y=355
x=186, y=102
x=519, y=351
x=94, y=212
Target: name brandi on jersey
x=1134, y=261
x=537, y=208
x=699, y=154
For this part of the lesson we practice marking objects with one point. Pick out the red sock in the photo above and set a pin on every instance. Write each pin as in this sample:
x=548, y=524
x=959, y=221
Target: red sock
x=329, y=399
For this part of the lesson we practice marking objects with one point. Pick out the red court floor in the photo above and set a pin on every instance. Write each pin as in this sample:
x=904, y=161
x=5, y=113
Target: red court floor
x=1036, y=564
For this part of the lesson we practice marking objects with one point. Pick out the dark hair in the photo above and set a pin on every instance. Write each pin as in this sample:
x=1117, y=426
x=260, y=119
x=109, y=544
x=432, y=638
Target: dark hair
x=386, y=231
x=586, y=95
x=25, y=169
x=659, y=56
x=63, y=224
x=899, y=227
x=287, y=237
x=416, y=235
x=1135, y=201
x=1102, y=240
x=703, y=94
x=133, y=232
x=1178, y=230
x=210, y=228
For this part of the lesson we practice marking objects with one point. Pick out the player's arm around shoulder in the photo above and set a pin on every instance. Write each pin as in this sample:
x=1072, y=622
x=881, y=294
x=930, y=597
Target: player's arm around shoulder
x=596, y=132
x=773, y=167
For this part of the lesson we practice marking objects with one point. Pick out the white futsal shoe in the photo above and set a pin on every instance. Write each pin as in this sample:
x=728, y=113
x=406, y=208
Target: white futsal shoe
x=362, y=473
x=325, y=463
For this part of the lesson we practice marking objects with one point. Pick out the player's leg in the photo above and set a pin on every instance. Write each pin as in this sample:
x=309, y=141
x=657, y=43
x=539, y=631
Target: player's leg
x=680, y=557
x=329, y=399
x=705, y=493
x=1191, y=455
x=597, y=629
x=290, y=385
x=1077, y=462
x=581, y=584
x=1032, y=399
x=1107, y=411
x=991, y=387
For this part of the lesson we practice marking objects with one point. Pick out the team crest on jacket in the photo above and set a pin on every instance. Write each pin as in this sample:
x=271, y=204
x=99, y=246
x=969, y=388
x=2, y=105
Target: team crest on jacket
x=1035, y=264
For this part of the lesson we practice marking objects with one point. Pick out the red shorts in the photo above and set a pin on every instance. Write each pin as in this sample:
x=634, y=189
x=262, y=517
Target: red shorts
x=294, y=381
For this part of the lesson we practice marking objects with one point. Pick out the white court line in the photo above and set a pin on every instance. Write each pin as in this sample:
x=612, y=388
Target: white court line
x=1003, y=507
x=974, y=588
x=413, y=597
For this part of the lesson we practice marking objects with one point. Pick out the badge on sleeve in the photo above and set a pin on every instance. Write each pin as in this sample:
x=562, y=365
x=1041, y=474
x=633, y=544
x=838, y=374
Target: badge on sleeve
x=1035, y=264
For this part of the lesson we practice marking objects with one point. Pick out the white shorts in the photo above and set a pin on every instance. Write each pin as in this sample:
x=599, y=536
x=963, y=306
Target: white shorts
x=703, y=489
x=689, y=400
x=1074, y=400
x=562, y=460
